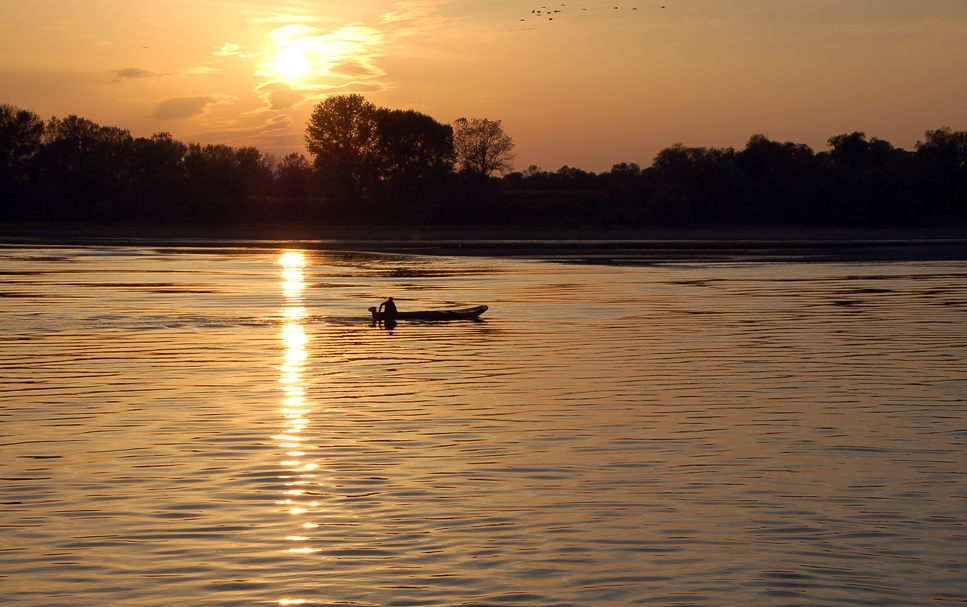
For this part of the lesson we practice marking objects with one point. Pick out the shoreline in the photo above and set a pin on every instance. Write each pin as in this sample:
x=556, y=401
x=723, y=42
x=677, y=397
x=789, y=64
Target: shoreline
x=590, y=246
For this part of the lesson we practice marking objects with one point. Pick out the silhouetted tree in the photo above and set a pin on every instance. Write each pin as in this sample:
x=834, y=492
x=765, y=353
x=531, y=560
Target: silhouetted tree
x=780, y=182
x=577, y=179
x=701, y=182
x=625, y=170
x=292, y=176
x=254, y=171
x=212, y=170
x=853, y=150
x=867, y=182
x=415, y=163
x=221, y=179
x=413, y=145
x=403, y=162
x=342, y=135
x=482, y=147
x=159, y=177
x=945, y=146
x=160, y=155
x=21, y=135
x=942, y=171
x=84, y=167
x=682, y=166
x=532, y=171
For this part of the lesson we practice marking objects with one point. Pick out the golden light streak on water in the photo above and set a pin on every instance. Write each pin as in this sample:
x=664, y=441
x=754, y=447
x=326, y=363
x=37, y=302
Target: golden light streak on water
x=295, y=314
x=292, y=259
x=292, y=383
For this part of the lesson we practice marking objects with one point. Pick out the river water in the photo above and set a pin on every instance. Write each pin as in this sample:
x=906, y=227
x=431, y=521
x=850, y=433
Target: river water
x=226, y=427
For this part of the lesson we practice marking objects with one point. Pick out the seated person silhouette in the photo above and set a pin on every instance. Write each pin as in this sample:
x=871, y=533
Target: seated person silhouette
x=390, y=309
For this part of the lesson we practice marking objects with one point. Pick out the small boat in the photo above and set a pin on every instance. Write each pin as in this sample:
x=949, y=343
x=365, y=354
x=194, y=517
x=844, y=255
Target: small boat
x=460, y=314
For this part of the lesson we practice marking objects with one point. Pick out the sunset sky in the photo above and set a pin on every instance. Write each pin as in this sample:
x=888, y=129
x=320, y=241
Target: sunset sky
x=598, y=83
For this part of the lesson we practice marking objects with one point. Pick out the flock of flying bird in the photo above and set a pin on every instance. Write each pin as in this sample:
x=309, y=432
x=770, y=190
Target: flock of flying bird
x=550, y=12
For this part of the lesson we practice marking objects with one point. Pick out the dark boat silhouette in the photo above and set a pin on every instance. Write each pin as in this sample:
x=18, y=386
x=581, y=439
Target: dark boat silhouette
x=458, y=314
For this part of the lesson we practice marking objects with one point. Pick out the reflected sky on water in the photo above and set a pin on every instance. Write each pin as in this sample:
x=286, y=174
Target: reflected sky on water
x=227, y=427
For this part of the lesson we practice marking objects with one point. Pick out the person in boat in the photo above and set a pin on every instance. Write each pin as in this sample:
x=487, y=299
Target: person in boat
x=388, y=308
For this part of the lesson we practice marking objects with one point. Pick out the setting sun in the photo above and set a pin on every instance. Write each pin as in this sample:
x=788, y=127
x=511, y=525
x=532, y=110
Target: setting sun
x=291, y=63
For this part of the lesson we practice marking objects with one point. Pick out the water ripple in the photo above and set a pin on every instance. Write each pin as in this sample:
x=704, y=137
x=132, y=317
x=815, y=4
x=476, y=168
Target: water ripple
x=220, y=428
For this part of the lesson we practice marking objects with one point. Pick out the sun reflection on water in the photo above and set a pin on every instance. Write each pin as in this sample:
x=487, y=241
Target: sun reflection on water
x=294, y=498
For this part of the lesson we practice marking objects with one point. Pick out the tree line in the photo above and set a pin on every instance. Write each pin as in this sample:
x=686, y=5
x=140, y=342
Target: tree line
x=372, y=166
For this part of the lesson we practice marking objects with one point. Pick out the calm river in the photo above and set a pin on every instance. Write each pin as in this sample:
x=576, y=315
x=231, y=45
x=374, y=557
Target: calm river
x=188, y=427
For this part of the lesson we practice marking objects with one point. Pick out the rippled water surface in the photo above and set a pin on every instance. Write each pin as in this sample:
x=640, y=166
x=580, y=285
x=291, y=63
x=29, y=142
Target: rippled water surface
x=226, y=427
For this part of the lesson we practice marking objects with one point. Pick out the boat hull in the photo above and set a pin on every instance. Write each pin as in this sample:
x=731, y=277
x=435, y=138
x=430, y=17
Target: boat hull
x=461, y=314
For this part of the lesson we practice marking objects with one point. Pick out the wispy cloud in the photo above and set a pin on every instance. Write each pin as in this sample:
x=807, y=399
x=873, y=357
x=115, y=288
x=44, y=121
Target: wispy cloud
x=280, y=96
x=186, y=107
x=227, y=50
x=251, y=130
x=201, y=69
x=133, y=72
x=233, y=50
x=414, y=15
x=278, y=11
x=355, y=69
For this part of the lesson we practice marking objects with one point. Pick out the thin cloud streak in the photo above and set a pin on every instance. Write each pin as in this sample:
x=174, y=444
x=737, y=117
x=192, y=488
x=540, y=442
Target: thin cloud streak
x=187, y=107
x=134, y=73
x=414, y=15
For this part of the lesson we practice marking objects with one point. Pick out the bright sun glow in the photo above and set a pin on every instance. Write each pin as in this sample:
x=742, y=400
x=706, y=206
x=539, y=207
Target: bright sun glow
x=291, y=64
x=292, y=259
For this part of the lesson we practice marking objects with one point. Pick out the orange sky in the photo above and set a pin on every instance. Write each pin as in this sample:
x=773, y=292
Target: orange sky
x=588, y=87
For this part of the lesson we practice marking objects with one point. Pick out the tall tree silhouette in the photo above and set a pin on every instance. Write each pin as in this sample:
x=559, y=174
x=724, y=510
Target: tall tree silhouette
x=21, y=134
x=342, y=135
x=412, y=145
x=482, y=147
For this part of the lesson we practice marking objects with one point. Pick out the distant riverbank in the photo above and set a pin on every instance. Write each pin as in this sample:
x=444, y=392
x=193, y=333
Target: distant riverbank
x=600, y=246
